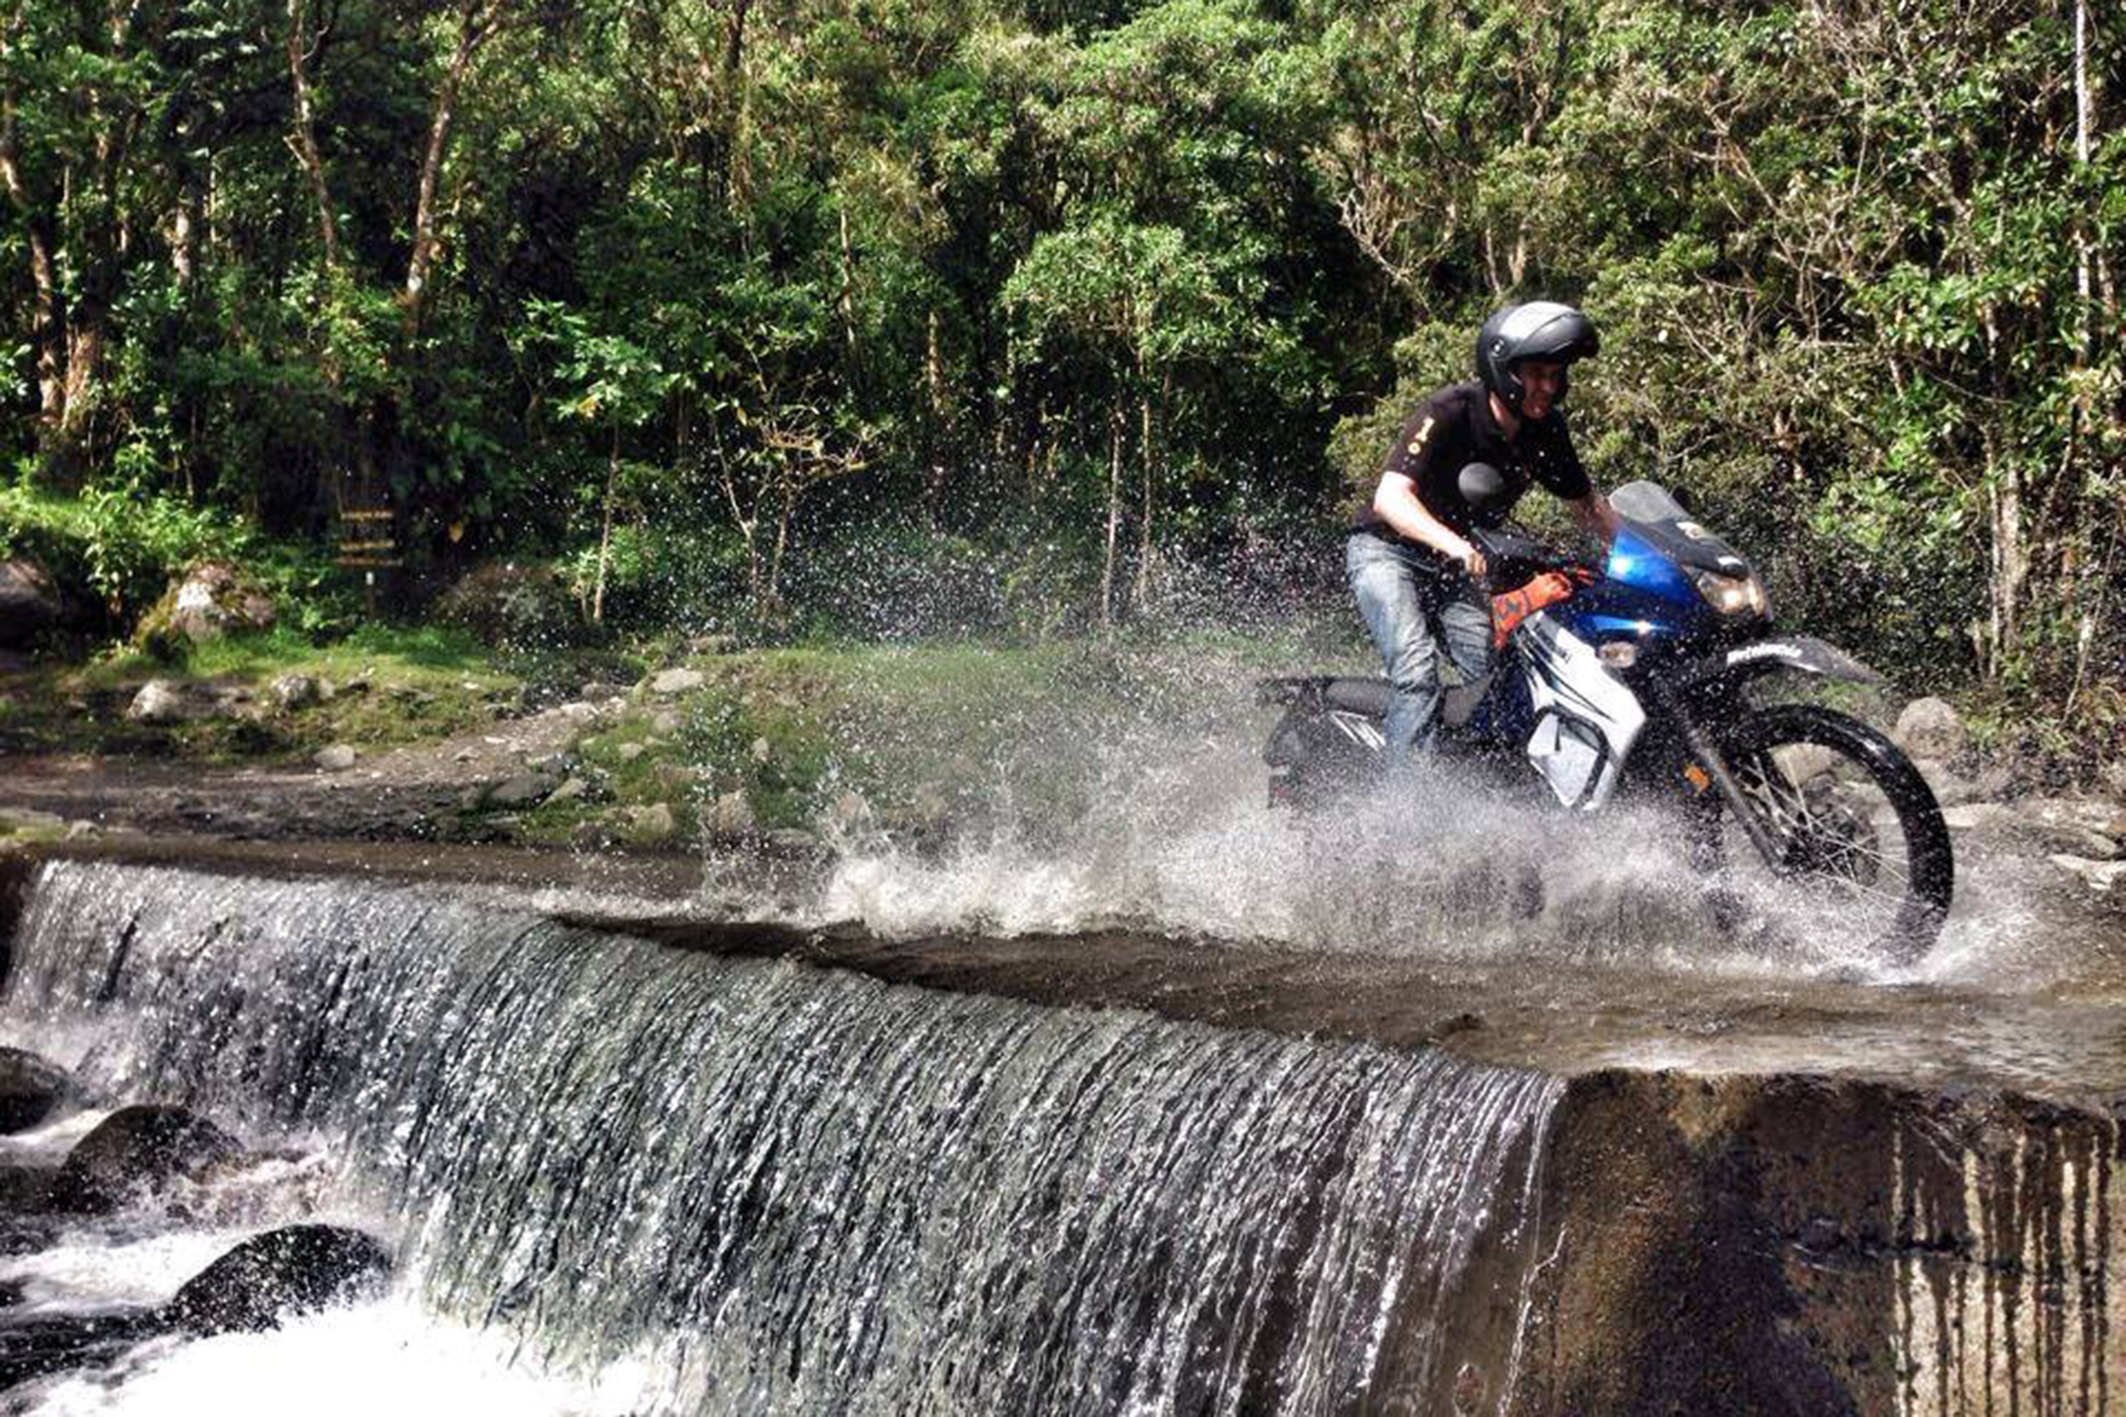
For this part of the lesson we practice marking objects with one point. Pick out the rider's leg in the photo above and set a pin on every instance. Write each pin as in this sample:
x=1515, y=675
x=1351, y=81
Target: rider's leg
x=1385, y=582
x=1465, y=632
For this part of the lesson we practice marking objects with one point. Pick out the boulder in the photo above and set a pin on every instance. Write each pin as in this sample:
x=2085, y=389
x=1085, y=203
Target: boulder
x=30, y=604
x=628, y=752
x=677, y=681
x=653, y=825
x=336, y=758
x=848, y=812
x=732, y=815
x=2015, y=830
x=1931, y=728
x=31, y=1090
x=516, y=604
x=163, y=702
x=296, y=691
x=139, y=1149
x=2102, y=877
x=666, y=723
x=2094, y=814
x=523, y=790
x=1802, y=761
x=209, y=601
x=1951, y=789
x=294, y=1270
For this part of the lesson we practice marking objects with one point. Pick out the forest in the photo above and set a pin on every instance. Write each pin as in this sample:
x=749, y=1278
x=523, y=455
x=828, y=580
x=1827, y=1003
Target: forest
x=805, y=315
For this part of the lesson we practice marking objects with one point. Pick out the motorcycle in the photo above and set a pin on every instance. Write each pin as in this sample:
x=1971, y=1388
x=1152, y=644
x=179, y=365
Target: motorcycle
x=1635, y=678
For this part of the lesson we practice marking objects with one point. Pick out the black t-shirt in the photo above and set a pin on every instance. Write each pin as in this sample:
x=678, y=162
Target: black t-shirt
x=1454, y=428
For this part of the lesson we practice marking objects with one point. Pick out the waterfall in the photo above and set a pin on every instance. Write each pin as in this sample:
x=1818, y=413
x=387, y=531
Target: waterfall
x=787, y=1189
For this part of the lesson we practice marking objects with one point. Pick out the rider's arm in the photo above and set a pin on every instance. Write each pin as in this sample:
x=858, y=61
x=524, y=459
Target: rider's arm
x=1595, y=513
x=1396, y=503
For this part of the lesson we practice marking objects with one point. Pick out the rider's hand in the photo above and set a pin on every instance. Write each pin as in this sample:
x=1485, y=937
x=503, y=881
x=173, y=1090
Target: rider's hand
x=1471, y=560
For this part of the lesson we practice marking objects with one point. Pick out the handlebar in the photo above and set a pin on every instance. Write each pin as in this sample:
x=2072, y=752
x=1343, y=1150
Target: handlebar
x=1512, y=559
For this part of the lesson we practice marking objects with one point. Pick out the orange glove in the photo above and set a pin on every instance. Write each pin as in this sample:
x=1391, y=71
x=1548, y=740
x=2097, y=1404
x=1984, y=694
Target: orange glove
x=1510, y=609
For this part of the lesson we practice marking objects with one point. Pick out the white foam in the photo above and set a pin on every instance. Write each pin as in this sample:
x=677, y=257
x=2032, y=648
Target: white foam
x=389, y=1356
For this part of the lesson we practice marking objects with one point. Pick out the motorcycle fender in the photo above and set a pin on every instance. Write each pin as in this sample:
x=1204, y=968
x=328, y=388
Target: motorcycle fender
x=1798, y=652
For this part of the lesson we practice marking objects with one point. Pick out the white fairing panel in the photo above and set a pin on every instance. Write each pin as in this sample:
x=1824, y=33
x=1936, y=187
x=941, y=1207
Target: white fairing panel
x=1586, y=720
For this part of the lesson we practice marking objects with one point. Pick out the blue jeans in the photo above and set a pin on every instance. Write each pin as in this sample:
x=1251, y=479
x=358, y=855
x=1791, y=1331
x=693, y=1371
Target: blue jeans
x=1415, y=605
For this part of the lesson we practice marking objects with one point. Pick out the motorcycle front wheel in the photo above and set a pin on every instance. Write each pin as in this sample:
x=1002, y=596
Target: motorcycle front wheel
x=1858, y=842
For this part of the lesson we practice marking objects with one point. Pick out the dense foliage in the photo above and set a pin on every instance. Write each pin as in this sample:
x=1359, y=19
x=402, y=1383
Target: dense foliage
x=699, y=294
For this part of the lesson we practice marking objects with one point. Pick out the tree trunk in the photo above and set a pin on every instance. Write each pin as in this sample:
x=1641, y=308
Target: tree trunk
x=848, y=293
x=475, y=24
x=1151, y=476
x=605, y=532
x=1115, y=423
x=2084, y=121
x=2010, y=563
x=304, y=137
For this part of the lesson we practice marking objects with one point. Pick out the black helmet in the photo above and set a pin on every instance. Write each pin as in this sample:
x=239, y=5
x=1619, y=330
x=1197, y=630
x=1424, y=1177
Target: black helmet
x=1541, y=329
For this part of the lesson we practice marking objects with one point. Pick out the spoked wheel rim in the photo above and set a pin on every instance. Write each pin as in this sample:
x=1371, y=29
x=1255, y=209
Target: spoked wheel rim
x=1859, y=848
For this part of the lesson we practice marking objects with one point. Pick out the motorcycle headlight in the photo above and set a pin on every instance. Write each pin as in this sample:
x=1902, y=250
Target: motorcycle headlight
x=1732, y=595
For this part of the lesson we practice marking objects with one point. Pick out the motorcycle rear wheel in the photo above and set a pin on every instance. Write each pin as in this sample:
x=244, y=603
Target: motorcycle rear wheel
x=1860, y=840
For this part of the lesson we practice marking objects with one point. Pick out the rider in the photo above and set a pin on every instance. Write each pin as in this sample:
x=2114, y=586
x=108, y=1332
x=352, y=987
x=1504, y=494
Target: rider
x=1408, y=559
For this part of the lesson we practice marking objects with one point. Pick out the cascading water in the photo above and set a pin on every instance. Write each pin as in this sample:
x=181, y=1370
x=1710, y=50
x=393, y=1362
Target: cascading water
x=775, y=1188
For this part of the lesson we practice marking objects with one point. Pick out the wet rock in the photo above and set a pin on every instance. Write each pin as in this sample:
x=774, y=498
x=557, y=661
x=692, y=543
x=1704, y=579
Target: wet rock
x=1931, y=728
x=40, y=1346
x=574, y=789
x=732, y=815
x=30, y=604
x=2094, y=814
x=1802, y=761
x=337, y=758
x=847, y=812
x=795, y=841
x=139, y=1149
x=2102, y=877
x=163, y=702
x=209, y=601
x=674, y=777
x=520, y=791
x=283, y=1273
x=654, y=825
x=1950, y=788
x=677, y=681
x=32, y=1088
x=2015, y=830
x=291, y=692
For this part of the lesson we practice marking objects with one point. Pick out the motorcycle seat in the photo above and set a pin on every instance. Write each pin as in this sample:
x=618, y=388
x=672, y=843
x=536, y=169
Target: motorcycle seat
x=1366, y=696
x=1370, y=697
